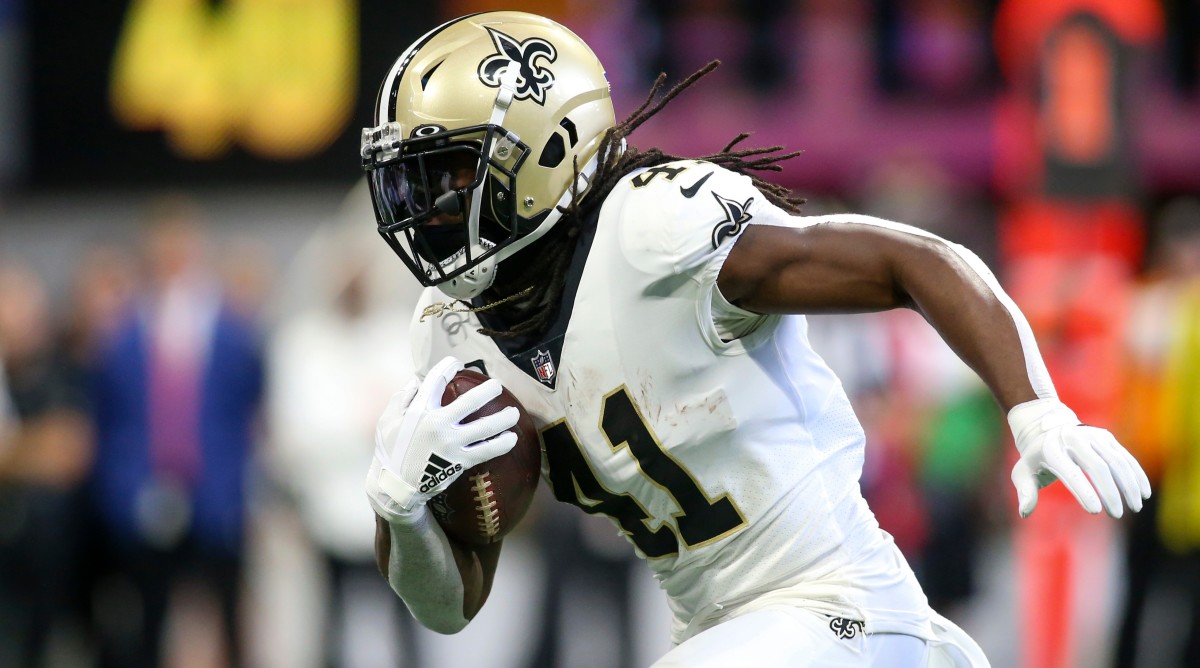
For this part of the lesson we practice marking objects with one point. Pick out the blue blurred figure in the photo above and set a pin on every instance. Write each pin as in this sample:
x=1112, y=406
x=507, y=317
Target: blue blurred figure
x=176, y=396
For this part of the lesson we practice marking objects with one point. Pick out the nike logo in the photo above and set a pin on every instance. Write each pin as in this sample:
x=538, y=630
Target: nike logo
x=691, y=191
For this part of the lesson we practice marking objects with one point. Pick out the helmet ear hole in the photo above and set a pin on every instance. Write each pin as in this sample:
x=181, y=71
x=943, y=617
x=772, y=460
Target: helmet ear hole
x=553, y=152
x=556, y=148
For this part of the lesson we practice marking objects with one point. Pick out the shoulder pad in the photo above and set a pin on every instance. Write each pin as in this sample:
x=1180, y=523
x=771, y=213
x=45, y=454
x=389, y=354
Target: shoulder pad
x=676, y=217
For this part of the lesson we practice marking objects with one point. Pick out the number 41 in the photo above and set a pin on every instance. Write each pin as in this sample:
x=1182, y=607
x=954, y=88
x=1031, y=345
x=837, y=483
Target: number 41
x=701, y=520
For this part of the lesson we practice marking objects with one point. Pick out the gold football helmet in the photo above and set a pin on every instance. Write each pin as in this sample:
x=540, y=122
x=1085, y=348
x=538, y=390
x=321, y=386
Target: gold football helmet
x=478, y=128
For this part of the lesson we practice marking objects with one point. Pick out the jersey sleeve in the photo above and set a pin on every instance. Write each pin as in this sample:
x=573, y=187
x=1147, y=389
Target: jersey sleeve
x=682, y=218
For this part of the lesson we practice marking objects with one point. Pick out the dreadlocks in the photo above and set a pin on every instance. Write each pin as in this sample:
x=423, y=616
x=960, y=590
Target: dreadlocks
x=543, y=278
x=617, y=164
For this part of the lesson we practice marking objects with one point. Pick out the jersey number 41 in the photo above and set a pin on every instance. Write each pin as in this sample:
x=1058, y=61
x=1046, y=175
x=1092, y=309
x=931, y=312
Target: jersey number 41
x=701, y=520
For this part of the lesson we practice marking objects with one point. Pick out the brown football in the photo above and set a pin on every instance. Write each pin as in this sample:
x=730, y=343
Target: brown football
x=489, y=499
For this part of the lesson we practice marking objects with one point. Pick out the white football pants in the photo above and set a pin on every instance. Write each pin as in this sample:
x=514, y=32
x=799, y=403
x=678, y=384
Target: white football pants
x=794, y=637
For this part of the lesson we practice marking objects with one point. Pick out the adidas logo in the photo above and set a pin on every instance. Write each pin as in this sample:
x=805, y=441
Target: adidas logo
x=437, y=470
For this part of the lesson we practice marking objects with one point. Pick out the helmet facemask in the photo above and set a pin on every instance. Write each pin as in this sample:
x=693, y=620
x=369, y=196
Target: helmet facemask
x=444, y=201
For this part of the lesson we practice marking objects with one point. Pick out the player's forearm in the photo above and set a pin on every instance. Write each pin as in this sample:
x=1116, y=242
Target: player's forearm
x=442, y=586
x=962, y=300
x=851, y=263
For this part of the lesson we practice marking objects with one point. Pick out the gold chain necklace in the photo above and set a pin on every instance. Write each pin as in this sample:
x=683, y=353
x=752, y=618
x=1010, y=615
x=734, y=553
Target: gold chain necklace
x=458, y=306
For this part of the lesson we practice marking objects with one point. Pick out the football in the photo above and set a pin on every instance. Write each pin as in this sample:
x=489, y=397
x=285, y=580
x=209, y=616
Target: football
x=489, y=499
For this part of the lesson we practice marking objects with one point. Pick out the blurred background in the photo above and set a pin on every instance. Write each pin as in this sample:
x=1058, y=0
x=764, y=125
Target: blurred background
x=198, y=326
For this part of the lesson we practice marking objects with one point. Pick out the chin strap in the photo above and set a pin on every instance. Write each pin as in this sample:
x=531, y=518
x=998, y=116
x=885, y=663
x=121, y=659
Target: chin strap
x=480, y=277
x=583, y=181
x=504, y=98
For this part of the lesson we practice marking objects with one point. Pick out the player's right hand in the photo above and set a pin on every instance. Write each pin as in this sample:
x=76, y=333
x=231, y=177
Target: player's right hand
x=421, y=446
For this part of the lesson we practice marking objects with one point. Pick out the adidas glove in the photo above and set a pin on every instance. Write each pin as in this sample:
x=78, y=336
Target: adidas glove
x=421, y=446
x=1054, y=445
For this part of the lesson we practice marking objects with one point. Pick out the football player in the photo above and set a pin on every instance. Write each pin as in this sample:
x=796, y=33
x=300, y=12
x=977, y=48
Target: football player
x=647, y=312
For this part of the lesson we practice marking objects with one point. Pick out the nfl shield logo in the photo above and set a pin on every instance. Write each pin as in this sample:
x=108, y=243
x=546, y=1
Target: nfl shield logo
x=543, y=364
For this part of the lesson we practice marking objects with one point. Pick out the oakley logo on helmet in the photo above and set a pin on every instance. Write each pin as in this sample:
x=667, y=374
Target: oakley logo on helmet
x=533, y=79
x=736, y=215
x=427, y=130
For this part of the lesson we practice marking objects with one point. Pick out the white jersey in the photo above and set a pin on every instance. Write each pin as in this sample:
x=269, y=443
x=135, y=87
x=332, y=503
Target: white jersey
x=717, y=440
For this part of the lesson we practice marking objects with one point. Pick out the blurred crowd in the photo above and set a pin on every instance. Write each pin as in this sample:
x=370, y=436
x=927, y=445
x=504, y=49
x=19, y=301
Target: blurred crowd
x=136, y=428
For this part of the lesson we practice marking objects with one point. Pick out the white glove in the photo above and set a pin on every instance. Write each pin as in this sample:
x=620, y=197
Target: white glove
x=421, y=446
x=1054, y=445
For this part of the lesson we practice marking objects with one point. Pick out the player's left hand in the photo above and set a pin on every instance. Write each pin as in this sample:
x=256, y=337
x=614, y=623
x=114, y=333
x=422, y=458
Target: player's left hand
x=1054, y=445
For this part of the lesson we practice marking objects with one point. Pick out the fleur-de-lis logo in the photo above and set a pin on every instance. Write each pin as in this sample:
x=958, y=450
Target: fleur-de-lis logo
x=845, y=628
x=736, y=215
x=533, y=78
